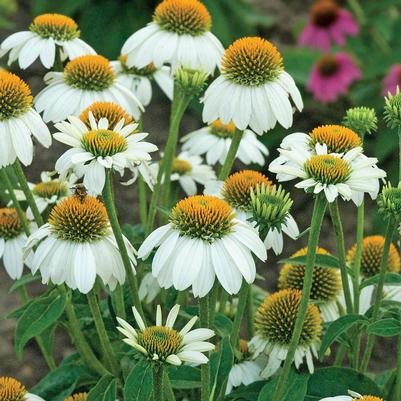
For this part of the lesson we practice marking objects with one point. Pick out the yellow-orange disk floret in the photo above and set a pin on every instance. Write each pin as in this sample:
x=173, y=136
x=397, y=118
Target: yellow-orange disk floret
x=104, y=142
x=11, y=390
x=78, y=397
x=91, y=72
x=10, y=224
x=79, y=219
x=202, y=216
x=252, y=61
x=368, y=398
x=237, y=187
x=15, y=96
x=327, y=169
x=338, y=139
x=160, y=340
x=149, y=69
x=326, y=284
x=222, y=130
x=112, y=111
x=181, y=167
x=184, y=17
x=275, y=319
x=48, y=189
x=372, y=252
x=56, y=26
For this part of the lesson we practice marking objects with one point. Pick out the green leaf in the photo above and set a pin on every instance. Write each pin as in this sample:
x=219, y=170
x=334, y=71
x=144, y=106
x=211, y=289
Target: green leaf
x=26, y=279
x=42, y=313
x=105, y=390
x=334, y=381
x=389, y=279
x=139, y=383
x=295, y=388
x=327, y=261
x=221, y=363
x=223, y=325
x=247, y=393
x=184, y=377
x=338, y=327
x=385, y=328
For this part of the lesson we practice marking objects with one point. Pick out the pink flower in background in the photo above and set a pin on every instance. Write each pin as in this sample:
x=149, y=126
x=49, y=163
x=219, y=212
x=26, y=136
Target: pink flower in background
x=328, y=23
x=392, y=80
x=331, y=77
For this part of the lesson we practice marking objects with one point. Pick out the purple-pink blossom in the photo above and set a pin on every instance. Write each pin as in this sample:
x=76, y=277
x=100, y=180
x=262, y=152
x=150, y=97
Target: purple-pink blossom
x=392, y=80
x=331, y=77
x=328, y=24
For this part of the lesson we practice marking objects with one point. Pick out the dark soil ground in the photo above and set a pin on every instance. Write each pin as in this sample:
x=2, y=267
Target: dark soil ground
x=32, y=368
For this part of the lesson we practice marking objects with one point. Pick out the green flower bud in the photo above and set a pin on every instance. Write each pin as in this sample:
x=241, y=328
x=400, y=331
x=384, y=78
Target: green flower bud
x=389, y=201
x=190, y=81
x=392, y=110
x=362, y=120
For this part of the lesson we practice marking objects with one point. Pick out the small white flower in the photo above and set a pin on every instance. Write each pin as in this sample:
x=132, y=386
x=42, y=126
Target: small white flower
x=352, y=396
x=138, y=80
x=179, y=36
x=46, y=33
x=203, y=229
x=77, y=245
x=189, y=170
x=18, y=121
x=100, y=147
x=165, y=344
x=149, y=288
x=349, y=175
x=253, y=89
x=214, y=141
x=85, y=80
x=147, y=171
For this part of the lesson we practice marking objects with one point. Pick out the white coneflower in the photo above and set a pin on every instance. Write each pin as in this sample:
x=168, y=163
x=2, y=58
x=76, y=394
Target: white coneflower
x=12, y=240
x=349, y=175
x=179, y=35
x=18, y=121
x=244, y=371
x=100, y=147
x=46, y=33
x=13, y=390
x=138, y=80
x=149, y=288
x=214, y=141
x=203, y=228
x=275, y=321
x=77, y=245
x=326, y=288
x=253, y=89
x=50, y=191
x=85, y=80
x=353, y=396
x=189, y=170
x=163, y=343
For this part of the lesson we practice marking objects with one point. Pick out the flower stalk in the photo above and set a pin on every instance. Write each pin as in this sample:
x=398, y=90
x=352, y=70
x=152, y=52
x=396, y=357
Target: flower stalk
x=313, y=240
x=232, y=152
x=158, y=382
x=205, y=368
x=242, y=301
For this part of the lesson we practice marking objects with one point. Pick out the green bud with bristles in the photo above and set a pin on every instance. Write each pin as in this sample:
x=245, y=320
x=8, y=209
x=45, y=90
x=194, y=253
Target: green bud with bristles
x=362, y=120
x=191, y=82
x=270, y=206
x=392, y=110
x=389, y=202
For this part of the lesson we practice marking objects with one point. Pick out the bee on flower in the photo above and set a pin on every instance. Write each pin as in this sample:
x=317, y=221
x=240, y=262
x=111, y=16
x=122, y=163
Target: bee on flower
x=205, y=229
x=77, y=245
x=19, y=121
x=139, y=80
x=179, y=35
x=253, y=89
x=46, y=35
x=163, y=344
x=85, y=80
x=11, y=389
x=214, y=142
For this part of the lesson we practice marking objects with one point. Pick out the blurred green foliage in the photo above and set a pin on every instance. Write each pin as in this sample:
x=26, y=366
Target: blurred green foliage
x=7, y=9
x=106, y=24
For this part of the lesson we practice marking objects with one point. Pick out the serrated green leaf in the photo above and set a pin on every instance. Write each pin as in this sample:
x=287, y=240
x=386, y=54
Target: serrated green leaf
x=327, y=261
x=247, y=393
x=389, y=279
x=139, y=383
x=338, y=327
x=42, y=313
x=184, y=377
x=105, y=390
x=385, y=328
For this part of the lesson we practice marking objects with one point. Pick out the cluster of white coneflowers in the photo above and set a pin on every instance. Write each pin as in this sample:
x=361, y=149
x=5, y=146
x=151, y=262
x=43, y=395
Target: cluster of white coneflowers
x=181, y=317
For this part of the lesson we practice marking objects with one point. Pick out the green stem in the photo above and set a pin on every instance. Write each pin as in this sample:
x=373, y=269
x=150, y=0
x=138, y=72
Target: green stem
x=115, y=225
x=158, y=382
x=242, y=301
x=58, y=64
x=379, y=293
x=399, y=150
x=232, y=151
x=250, y=313
x=79, y=340
x=338, y=229
x=27, y=192
x=106, y=347
x=223, y=300
x=205, y=368
x=313, y=240
x=119, y=301
x=397, y=390
x=212, y=303
x=143, y=209
x=10, y=189
x=168, y=389
x=341, y=352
